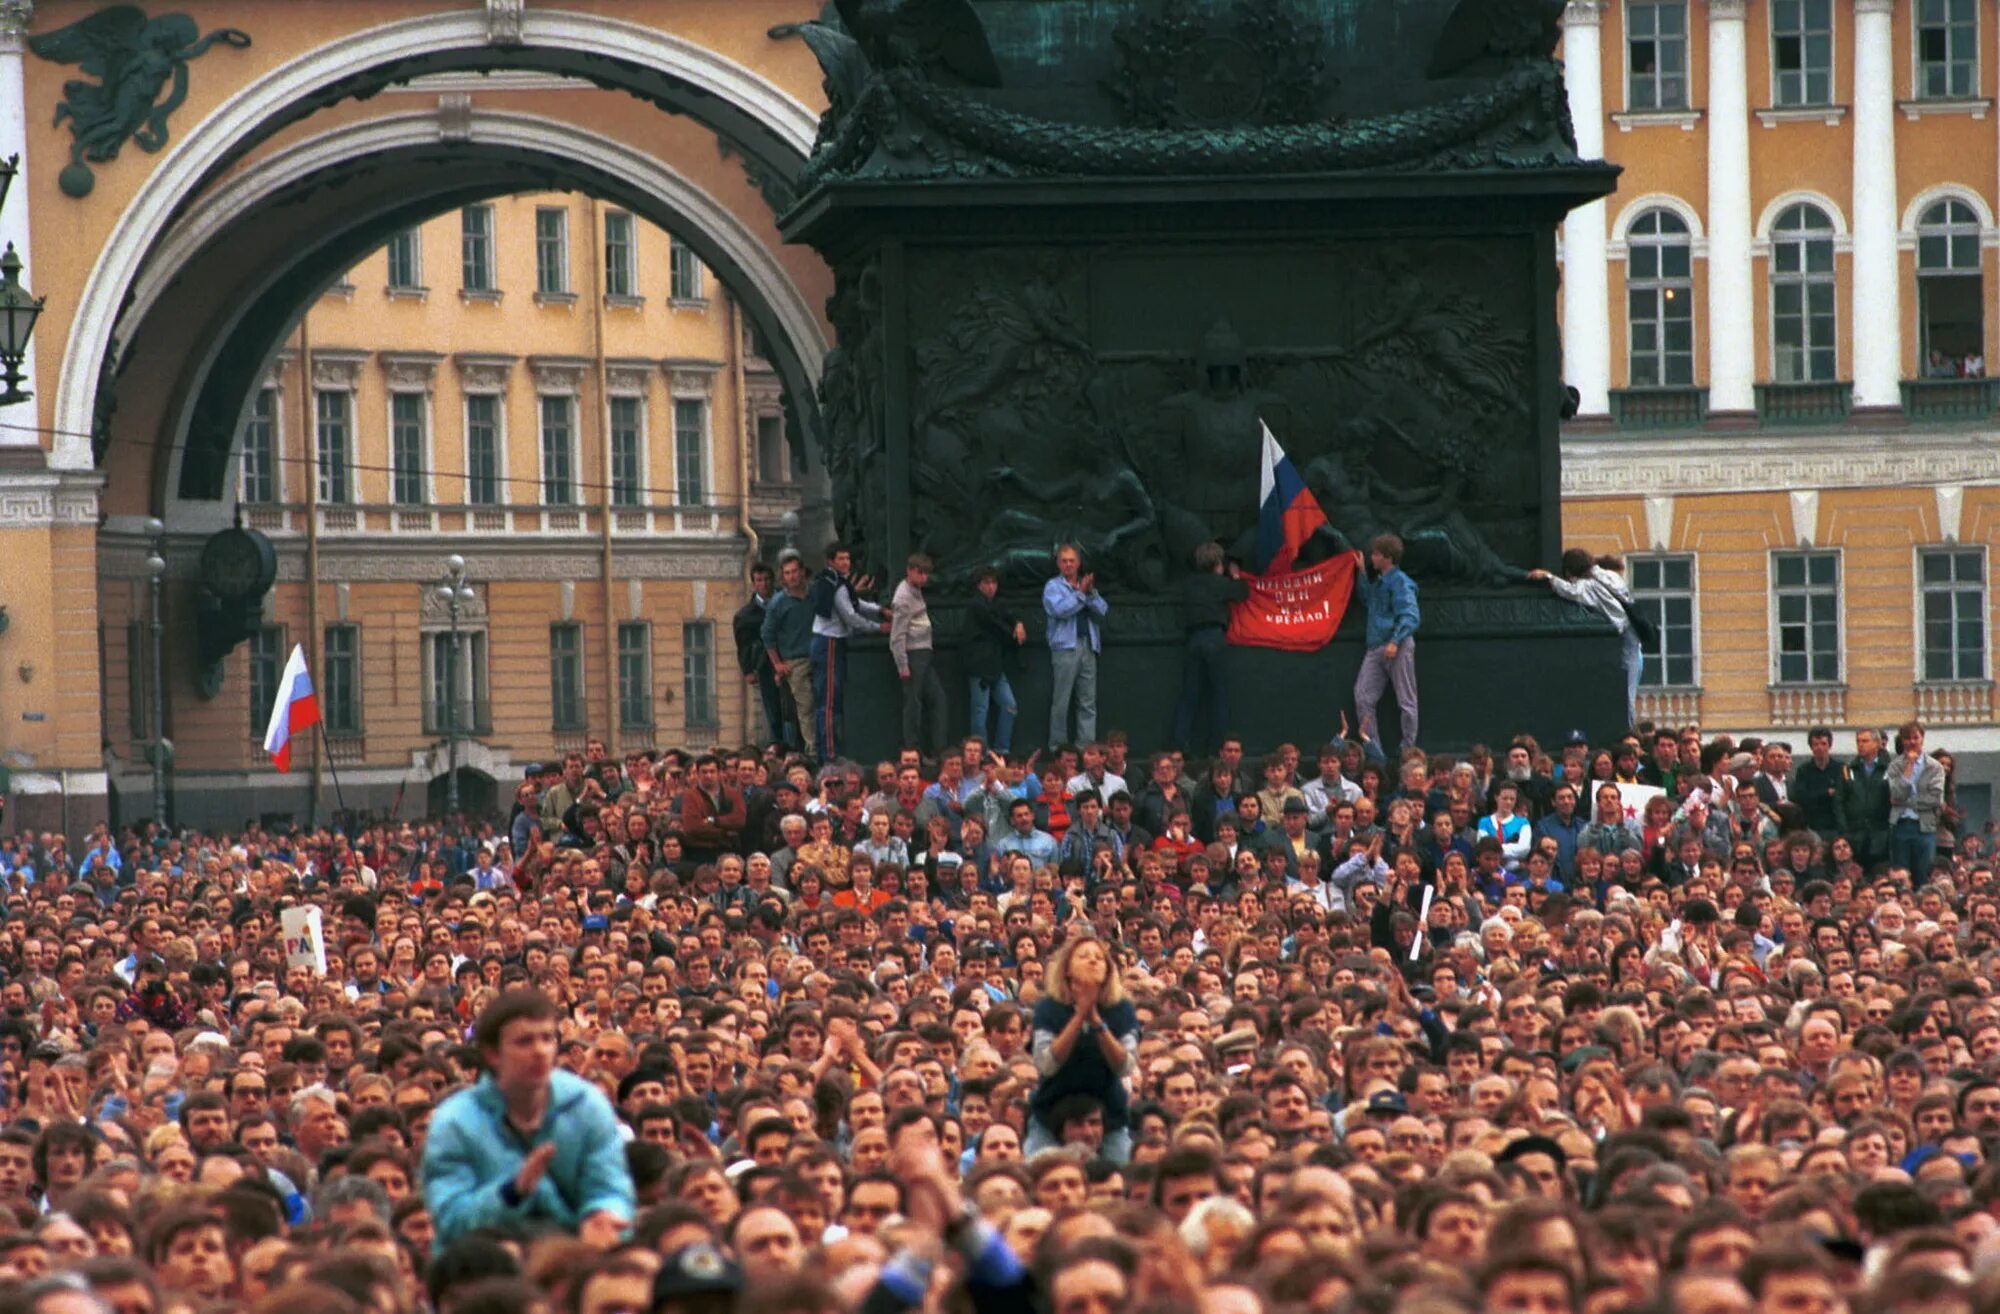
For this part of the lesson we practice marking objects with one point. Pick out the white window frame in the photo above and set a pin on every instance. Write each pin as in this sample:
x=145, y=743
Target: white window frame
x=1920, y=590
x=476, y=644
x=1805, y=280
x=275, y=421
x=491, y=285
x=1634, y=240
x=642, y=457
x=1687, y=60
x=260, y=706
x=426, y=462
x=349, y=475
x=709, y=676
x=1917, y=25
x=1632, y=562
x=358, y=678
x=415, y=238
x=705, y=455
x=650, y=689
x=1832, y=59
x=543, y=450
x=581, y=722
x=630, y=244
x=556, y=246
x=1774, y=637
x=696, y=293
x=499, y=400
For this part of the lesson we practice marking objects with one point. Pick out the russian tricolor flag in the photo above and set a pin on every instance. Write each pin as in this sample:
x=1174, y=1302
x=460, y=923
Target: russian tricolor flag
x=1288, y=513
x=296, y=710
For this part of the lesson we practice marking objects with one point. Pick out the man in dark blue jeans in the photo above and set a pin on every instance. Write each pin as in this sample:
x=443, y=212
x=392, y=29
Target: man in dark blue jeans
x=1205, y=599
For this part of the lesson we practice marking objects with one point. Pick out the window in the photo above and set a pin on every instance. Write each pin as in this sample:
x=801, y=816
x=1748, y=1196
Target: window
x=1659, y=301
x=773, y=467
x=566, y=676
x=476, y=246
x=407, y=445
x=686, y=284
x=552, y=251
x=635, y=675
x=691, y=451
x=1663, y=592
x=482, y=450
x=267, y=664
x=558, y=464
x=1803, y=326
x=474, y=713
x=1954, y=614
x=1806, y=588
x=1656, y=54
x=1802, y=52
x=335, y=431
x=260, y=450
x=621, y=255
x=340, y=688
x=406, y=260
x=1947, y=49
x=698, y=673
x=627, y=448
x=1950, y=290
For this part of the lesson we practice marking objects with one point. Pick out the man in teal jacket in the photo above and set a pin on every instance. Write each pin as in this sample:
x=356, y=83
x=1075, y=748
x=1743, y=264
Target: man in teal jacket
x=528, y=1148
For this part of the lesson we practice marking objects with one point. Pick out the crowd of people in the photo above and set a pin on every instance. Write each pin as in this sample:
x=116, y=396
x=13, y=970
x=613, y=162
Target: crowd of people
x=1072, y=1031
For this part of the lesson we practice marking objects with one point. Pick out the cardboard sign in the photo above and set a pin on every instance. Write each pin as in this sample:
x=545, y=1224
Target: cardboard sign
x=305, y=942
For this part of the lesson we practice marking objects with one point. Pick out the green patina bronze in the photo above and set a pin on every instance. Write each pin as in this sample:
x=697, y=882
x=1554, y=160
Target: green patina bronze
x=133, y=58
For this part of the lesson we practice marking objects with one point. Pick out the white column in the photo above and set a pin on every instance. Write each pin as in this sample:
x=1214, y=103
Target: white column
x=1732, y=366
x=1878, y=308
x=14, y=18
x=1586, y=331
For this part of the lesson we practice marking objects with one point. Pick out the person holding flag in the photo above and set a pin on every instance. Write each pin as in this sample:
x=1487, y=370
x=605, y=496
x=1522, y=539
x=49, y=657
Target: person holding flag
x=1298, y=593
x=1206, y=596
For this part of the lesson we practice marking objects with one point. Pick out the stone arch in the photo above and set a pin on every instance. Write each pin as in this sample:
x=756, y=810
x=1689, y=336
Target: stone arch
x=221, y=379
x=773, y=127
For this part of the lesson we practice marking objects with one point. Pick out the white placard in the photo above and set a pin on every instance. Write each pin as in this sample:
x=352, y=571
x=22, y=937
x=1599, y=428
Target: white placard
x=305, y=942
x=1423, y=922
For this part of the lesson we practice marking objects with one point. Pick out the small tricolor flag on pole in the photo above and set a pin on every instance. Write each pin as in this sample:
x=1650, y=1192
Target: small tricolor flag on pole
x=1287, y=513
x=296, y=710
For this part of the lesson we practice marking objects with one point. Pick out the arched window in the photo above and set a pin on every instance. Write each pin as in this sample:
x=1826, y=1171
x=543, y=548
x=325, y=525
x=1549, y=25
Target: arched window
x=1659, y=300
x=1803, y=323
x=1950, y=291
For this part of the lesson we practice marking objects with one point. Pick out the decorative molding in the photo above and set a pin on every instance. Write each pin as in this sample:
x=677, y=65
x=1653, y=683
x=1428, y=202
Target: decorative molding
x=1583, y=13
x=484, y=372
x=435, y=614
x=41, y=500
x=689, y=378
x=505, y=20
x=1660, y=522
x=1805, y=516
x=1800, y=196
x=455, y=116
x=15, y=18
x=337, y=369
x=627, y=377
x=505, y=79
x=1727, y=11
x=1772, y=115
x=1874, y=6
x=558, y=375
x=1682, y=119
x=1950, y=510
x=1696, y=466
x=1917, y=109
x=385, y=559
x=411, y=371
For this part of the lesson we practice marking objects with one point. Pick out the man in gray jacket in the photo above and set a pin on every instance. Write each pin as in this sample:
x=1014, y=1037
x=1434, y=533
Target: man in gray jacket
x=1916, y=801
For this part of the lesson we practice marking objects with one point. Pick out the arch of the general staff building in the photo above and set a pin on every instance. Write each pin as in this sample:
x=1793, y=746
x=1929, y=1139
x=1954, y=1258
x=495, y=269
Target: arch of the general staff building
x=174, y=284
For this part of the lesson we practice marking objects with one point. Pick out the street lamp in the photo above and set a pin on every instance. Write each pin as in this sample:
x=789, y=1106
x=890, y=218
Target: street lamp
x=156, y=570
x=19, y=309
x=789, y=522
x=456, y=594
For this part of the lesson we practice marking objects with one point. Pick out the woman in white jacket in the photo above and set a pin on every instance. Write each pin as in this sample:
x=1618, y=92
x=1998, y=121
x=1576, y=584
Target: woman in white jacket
x=1599, y=584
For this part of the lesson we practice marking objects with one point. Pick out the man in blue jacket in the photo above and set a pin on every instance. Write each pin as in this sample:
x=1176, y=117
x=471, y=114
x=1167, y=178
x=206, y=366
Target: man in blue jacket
x=529, y=1147
x=1392, y=649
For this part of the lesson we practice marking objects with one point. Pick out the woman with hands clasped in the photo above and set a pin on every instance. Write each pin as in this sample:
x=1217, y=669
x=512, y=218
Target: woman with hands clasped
x=1086, y=1035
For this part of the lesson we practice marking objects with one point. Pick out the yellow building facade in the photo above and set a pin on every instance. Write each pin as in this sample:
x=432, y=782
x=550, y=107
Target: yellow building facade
x=1778, y=330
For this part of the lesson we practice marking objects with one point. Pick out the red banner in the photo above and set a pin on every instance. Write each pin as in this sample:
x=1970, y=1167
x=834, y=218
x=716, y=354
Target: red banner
x=1297, y=611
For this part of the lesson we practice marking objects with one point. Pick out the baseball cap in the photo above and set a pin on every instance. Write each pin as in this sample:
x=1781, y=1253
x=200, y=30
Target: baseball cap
x=596, y=923
x=533, y=769
x=695, y=1270
x=1576, y=737
x=1388, y=1101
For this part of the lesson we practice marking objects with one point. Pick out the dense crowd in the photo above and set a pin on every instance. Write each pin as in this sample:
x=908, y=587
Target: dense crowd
x=1070, y=1031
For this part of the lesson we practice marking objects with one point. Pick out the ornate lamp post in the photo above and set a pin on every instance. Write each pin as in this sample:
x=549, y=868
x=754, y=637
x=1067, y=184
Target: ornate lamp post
x=456, y=594
x=789, y=522
x=19, y=309
x=156, y=570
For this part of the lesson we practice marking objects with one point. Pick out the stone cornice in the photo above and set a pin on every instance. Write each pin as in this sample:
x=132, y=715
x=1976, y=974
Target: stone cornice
x=562, y=375
x=484, y=371
x=1727, y=11
x=1583, y=13
x=337, y=369
x=15, y=16
x=37, y=499
x=1622, y=467
x=411, y=371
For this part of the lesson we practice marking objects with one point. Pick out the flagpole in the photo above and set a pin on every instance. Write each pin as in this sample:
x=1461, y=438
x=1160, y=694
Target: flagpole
x=332, y=766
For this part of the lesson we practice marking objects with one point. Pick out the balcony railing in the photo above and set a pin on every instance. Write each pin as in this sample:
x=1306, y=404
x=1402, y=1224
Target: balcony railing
x=1965, y=400
x=1804, y=403
x=357, y=520
x=1659, y=408
x=1671, y=707
x=1808, y=704
x=1955, y=702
